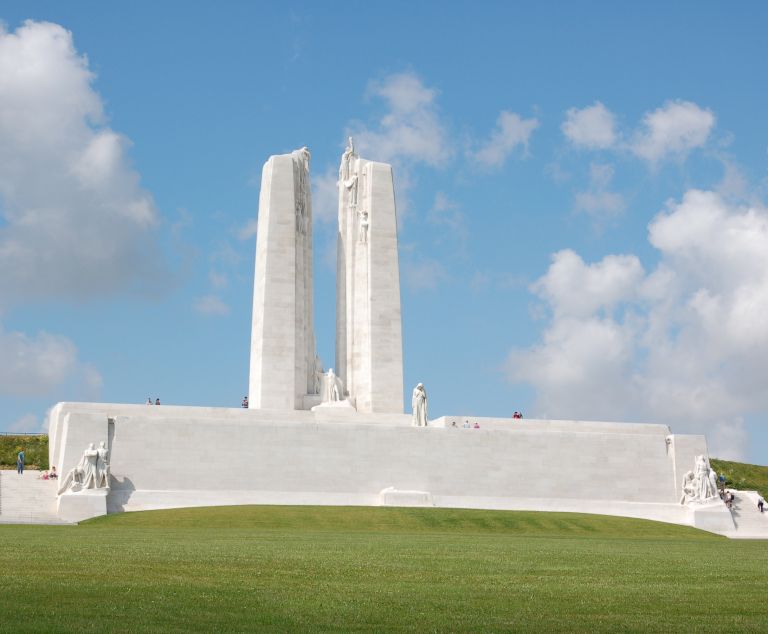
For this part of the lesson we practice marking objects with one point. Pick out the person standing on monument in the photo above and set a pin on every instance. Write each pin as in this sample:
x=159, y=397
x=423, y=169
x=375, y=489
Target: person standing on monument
x=419, y=404
x=20, y=459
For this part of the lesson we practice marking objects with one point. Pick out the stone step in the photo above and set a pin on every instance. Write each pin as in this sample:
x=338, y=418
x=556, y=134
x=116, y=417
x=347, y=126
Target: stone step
x=27, y=498
x=750, y=522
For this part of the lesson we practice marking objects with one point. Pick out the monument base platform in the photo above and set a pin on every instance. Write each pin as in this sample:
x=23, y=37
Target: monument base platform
x=169, y=457
x=83, y=505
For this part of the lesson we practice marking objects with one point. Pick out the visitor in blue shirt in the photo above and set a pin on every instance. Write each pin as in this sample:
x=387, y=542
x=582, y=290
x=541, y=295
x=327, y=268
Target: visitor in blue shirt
x=20, y=462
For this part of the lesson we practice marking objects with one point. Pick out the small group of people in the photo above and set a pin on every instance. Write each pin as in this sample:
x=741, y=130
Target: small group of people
x=49, y=475
x=244, y=404
x=468, y=425
x=149, y=401
x=517, y=415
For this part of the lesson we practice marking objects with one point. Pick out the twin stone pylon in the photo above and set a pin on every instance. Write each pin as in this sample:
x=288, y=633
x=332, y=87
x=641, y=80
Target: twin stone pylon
x=285, y=372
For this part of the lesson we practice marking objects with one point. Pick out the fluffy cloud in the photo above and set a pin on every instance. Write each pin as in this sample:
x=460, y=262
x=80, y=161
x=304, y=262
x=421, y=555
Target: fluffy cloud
x=77, y=223
x=447, y=213
x=685, y=344
x=592, y=127
x=27, y=423
x=211, y=305
x=35, y=366
x=598, y=201
x=673, y=131
x=325, y=195
x=248, y=230
x=512, y=131
x=423, y=274
x=410, y=129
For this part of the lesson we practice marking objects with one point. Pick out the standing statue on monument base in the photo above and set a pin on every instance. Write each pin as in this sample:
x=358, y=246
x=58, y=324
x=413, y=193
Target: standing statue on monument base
x=102, y=466
x=364, y=223
x=419, y=404
x=332, y=390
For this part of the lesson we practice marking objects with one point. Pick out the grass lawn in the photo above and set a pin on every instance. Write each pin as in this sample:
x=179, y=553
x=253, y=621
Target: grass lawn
x=743, y=476
x=263, y=568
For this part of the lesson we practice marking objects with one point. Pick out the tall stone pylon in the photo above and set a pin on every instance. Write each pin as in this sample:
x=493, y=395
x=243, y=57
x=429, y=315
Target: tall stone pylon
x=283, y=351
x=369, y=340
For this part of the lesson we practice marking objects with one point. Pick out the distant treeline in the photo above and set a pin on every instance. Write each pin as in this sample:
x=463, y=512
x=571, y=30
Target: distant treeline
x=35, y=451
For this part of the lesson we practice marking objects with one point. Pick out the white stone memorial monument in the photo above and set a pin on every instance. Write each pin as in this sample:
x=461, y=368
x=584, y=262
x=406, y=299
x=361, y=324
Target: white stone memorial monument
x=369, y=341
x=283, y=351
x=341, y=437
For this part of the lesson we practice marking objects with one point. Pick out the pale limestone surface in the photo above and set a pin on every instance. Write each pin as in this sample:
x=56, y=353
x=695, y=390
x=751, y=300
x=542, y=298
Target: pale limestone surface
x=283, y=352
x=369, y=346
x=240, y=456
x=750, y=522
x=27, y=498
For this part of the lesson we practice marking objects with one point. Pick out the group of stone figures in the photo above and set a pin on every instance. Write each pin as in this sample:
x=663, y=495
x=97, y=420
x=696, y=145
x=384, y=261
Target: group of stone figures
x=92, y=472
x=700, y=485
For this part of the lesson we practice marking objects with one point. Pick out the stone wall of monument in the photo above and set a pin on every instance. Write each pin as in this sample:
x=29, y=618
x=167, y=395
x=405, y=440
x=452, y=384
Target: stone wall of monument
x=164, y=457
x=282, y=339
x=369, y=347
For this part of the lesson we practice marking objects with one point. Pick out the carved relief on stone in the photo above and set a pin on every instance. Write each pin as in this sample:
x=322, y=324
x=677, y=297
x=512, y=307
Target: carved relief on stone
x=92, y=472
x=317, y=376
x=699, y=485
x=364, y=223
x=349, y=173
x=301, y=188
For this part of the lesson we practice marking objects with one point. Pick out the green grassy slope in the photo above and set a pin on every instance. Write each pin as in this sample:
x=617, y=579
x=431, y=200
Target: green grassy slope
x=747, y=477
x=35, y=451
x=377, y=569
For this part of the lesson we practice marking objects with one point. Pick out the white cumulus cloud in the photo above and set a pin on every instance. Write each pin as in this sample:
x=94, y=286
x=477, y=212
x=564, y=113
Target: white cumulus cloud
x=685, y=344
x=422, y=274
x=77, y=222
x=593, y=127
x=673, y=131
x=410, y=129
x=211, y=305
x=598, y=201
x=512, y=131
x=37, y=365
x=325, y=195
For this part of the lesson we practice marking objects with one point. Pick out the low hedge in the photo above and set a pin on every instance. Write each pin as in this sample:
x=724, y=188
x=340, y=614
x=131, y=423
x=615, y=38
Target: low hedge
x=35, y=451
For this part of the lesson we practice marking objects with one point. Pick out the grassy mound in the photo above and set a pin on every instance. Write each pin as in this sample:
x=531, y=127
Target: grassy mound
x=747, y=477
x=377, y=569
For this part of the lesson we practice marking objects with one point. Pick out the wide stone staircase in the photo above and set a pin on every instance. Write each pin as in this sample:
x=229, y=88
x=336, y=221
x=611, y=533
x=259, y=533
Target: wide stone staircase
x=27, y=499
x=750, y=522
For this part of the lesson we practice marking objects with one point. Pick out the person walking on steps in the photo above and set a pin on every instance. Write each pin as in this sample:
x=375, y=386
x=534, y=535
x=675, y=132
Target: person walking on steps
x=20, y=462
x=760, y=502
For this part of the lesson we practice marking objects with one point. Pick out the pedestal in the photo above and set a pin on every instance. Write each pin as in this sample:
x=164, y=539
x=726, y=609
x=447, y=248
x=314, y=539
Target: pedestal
x=83, y=505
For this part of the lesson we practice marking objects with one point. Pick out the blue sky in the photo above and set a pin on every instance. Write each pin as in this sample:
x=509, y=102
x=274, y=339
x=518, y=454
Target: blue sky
x=581, y=193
